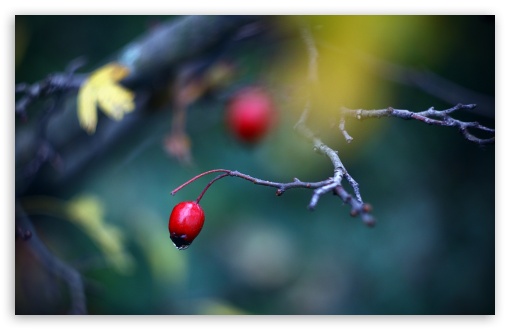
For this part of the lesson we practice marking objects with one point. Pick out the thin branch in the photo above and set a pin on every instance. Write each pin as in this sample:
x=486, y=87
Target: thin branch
x=319, y=146
x=320, y=188
x=364, y=210
x=339, y=170
x=341, y=126
x=282, y=187
x=71, y=276
x=335, y=183
x=429, y=117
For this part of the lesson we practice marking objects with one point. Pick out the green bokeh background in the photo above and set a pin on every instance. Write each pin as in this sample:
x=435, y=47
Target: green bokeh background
x=431, y=252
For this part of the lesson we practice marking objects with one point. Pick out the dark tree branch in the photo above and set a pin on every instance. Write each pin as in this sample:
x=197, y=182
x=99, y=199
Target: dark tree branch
x=54, y=84
x=428, y=117
x=152, y=60
x=177, y=41
x=54, y=265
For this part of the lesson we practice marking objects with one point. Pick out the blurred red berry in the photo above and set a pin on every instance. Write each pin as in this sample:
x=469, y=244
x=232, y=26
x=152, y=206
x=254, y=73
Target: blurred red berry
x=250, y=114
x=185, y=223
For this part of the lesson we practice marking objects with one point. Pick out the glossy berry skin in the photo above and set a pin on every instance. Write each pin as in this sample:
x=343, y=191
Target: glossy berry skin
x=250, y=114
x=186, y=221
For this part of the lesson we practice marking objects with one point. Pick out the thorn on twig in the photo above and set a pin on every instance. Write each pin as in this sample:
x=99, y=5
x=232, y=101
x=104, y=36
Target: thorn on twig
x=367, y=208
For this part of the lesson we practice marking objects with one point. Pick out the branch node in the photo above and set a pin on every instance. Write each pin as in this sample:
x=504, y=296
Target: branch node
x=367, y=208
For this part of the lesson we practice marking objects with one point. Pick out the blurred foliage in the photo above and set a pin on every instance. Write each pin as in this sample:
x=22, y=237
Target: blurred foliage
x=87, y=212
x=431, y=252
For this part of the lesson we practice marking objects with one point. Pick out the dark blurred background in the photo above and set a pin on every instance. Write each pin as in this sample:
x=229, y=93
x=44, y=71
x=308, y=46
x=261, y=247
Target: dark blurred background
x=433, y=192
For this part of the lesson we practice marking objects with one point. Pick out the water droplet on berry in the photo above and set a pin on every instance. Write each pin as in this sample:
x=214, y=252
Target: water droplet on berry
x=181, y=242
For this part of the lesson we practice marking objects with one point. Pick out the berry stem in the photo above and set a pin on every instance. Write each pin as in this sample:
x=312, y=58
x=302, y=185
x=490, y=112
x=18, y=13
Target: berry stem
x=209, y=184
x=197, y=177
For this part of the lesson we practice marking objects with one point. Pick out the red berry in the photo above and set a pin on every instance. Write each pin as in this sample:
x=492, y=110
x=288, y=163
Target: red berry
x=185, y=223
x=250, y=114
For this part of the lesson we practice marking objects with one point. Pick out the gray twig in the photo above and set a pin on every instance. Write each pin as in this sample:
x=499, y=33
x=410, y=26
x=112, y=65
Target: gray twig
x=341, y=126
x=431, y=117
x=339, y=172
x=333, y=185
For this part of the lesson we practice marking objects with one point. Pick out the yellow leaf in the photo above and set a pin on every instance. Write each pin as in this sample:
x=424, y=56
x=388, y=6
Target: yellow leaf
x=87, y=115
x=102, y=89
x=115, y=101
